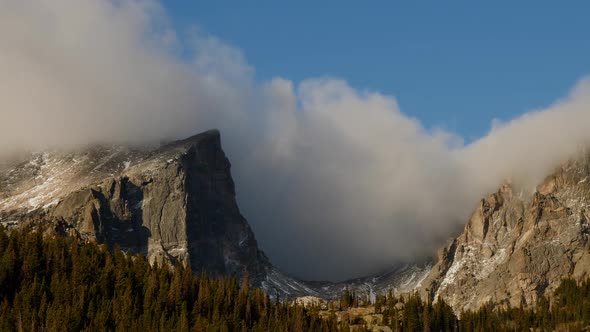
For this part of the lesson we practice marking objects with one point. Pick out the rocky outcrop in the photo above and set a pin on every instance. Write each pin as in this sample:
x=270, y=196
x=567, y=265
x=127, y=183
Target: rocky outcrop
x=516, y=248
x=176, y=203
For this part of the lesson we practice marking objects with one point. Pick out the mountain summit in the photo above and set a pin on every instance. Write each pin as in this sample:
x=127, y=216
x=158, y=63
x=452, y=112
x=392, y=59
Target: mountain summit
x=516, y=248
x=173, y=203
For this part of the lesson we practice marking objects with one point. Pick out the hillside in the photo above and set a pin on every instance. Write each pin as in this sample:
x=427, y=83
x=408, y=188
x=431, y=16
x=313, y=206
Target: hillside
x=517, y=247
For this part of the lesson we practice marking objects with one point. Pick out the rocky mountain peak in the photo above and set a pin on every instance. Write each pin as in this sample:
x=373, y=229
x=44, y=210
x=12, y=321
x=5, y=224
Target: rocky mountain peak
x=175, y=202
x=515, y=247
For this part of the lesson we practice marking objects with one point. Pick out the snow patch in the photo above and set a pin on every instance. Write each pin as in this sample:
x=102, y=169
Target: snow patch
x=50, y=204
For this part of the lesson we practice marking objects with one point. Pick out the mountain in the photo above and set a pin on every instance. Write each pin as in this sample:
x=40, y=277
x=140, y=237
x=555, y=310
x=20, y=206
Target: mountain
x=171, y=203
x=177, y=202
x=515, y=247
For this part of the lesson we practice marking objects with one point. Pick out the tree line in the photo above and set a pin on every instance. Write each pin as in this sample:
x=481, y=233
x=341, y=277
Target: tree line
x=568, y=309
x=60, y=284
x=56, y=283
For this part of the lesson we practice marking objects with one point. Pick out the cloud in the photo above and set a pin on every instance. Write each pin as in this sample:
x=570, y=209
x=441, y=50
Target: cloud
x=335, y=182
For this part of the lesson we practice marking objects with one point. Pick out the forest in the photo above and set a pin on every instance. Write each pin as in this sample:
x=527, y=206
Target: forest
x=56, y=283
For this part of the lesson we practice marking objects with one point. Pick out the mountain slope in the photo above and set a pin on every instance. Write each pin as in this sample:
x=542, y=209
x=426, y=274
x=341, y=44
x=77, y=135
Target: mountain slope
x=174, y=203
x=515, y=248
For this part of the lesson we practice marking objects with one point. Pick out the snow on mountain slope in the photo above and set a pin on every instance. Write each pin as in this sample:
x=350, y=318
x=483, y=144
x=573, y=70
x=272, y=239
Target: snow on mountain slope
x=515, y=247
x=404, y=279
x=40, y=180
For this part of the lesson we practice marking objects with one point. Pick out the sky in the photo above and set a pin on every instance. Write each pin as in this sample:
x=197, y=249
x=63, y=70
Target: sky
x=359, y=137
x=452, y=64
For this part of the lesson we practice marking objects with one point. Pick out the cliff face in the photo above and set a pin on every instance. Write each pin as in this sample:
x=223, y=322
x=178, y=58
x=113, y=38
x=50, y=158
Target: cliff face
x=174, y=203
x=516, y=248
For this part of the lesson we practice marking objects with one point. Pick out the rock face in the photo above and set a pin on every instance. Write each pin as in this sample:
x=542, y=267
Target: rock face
x=174, y=203
x=515, y=249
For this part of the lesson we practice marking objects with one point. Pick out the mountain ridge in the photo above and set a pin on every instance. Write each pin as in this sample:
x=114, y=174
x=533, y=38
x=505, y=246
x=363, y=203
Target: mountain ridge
x=177, y=202
x=516, y=248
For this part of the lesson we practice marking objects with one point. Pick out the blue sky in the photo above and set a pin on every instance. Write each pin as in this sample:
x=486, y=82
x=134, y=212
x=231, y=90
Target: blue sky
x=456, y=65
